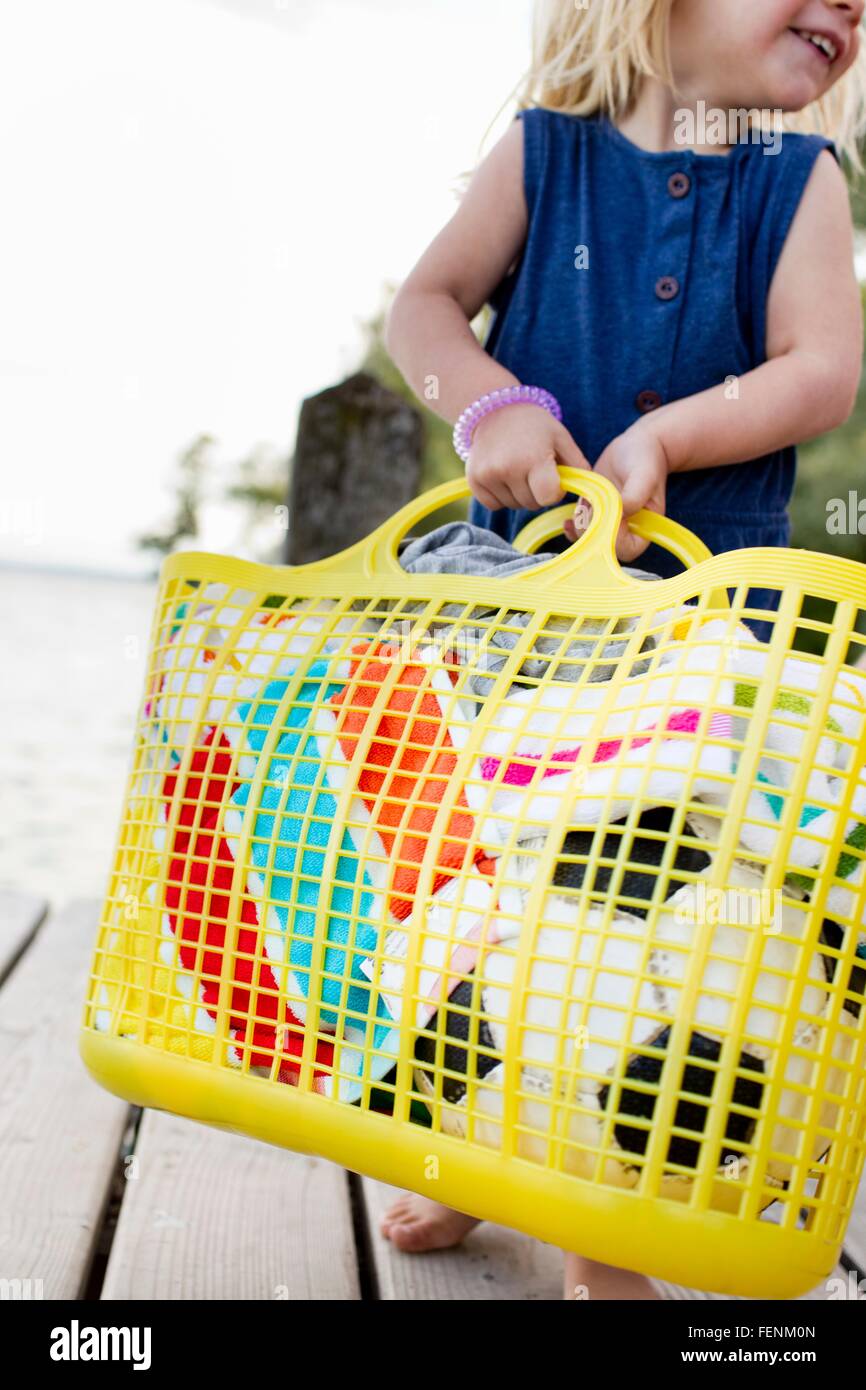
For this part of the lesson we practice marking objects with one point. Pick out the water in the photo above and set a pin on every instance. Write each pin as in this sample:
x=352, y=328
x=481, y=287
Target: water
x=72, y=662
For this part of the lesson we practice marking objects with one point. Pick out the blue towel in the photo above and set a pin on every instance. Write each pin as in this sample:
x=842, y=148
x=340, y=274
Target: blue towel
x=301, y=822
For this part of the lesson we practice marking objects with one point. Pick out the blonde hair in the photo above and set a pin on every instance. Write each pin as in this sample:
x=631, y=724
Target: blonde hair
x=591, y=58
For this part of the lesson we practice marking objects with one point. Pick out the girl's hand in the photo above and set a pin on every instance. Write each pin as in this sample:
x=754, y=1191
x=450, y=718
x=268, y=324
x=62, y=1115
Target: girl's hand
x=636, y=464
x=514, y=457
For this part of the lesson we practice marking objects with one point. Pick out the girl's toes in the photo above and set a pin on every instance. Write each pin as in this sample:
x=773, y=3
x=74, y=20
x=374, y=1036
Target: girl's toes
x=396, y=1213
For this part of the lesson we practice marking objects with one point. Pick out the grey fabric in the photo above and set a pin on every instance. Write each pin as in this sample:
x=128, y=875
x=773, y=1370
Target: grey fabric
x=460, y=548
x=572, y=658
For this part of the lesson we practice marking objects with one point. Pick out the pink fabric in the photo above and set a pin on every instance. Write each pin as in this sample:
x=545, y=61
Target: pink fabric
x=520, y=775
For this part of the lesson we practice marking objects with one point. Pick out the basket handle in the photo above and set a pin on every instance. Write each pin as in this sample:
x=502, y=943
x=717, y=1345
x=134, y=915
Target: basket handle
x=593, y=554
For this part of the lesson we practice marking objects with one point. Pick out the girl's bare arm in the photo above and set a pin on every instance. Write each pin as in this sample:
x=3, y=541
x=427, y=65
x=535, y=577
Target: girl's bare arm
x=429, y=337
x=809, y=383
x=428, y=331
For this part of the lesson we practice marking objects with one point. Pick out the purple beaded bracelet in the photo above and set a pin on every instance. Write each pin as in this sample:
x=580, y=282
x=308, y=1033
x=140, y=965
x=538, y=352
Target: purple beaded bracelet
x=494, y=400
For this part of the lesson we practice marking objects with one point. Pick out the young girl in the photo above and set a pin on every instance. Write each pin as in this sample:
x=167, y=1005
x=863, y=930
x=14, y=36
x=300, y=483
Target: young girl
x=688, y=302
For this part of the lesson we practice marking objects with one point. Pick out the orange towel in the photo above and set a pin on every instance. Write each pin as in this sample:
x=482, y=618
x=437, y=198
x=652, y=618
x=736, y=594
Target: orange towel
x=403, y=797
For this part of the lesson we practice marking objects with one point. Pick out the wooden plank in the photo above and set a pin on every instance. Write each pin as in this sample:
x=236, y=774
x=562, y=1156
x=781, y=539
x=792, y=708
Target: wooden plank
x=210, y=1215
x=20, y=915
x=492, y=1263
x=59, y=1132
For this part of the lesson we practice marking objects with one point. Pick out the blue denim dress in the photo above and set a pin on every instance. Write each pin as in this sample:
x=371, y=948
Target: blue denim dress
x=643, y=279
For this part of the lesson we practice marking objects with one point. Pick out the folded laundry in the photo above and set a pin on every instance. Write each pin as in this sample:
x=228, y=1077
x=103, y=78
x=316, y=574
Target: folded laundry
x=460, y=548
x=643, y=743
x=457, y=921
x=402, y=749
x=403, y=759
x=595, y=645
x=549, y=720
x=217, y=647
x=313, y=771
x=264, y=1014
x=844, y=906
x=671, y=733
x=854, y=979
x=279, y=828
x=797, y=689
x=488, y=908
x=628, y=867
x=368, y=743
x=602, y=991
x=171, y=997
x=785, y=733
x=521, y=774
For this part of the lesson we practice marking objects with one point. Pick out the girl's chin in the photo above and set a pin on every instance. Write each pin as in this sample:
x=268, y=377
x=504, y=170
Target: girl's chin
x=796, y=92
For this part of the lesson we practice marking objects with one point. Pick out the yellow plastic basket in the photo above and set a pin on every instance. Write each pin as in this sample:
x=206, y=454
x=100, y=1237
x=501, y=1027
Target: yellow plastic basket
x=541, y=896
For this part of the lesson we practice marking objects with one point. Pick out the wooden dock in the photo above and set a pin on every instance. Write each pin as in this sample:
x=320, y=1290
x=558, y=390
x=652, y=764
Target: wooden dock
x=99, y=1200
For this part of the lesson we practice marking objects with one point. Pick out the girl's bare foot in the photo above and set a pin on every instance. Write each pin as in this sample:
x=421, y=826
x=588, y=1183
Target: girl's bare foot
x=586, y=1279
x=418, y=1223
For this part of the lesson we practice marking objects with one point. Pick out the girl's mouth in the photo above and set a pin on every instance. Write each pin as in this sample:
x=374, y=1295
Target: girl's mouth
x=822, y=44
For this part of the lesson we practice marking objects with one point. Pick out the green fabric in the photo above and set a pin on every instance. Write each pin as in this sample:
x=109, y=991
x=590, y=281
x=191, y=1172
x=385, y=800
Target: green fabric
x=845, y=865
x=746, y=694
x=744, y=697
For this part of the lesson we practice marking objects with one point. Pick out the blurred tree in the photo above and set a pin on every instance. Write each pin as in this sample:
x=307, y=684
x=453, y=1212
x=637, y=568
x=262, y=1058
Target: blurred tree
x=440, y=463
x=260, y=489
x=825, y=512
x=829, y=469
x=857, y=189
x=192, y=469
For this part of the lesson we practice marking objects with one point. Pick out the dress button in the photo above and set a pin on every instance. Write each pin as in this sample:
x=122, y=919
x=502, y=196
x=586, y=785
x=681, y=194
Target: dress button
x=668, y=287
x=679, y=185
x=647, y=401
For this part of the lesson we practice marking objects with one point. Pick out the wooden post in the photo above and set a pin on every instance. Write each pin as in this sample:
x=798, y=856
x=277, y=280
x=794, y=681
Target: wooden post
x=357, y=461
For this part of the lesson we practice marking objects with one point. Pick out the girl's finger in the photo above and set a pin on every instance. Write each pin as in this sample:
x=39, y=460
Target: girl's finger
x=544, y=483
x=493, y=486
x=636, y=491
x=643, y=488
x=567, y=450
x=524, y=495
x=634, y=551
x=485, y=498
x=507, y=498
x=629, y=546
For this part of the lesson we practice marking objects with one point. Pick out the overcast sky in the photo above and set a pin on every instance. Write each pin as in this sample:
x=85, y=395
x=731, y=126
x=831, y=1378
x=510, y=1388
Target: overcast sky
x=202, y=200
